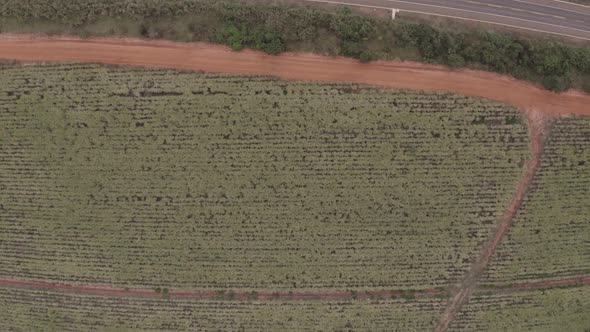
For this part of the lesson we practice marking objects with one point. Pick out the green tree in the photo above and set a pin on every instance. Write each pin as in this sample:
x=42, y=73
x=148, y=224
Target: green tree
x=556, y=83
x=455, y=60
x=268, y=41
x=233, y=37
x=352, y=27
x=365, y=56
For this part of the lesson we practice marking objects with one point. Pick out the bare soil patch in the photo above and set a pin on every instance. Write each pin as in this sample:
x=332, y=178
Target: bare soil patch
x=221, y=294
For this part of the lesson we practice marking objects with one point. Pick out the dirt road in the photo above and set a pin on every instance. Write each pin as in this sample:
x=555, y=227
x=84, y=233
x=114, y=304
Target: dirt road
x=537, y=132
x=307, y=67
x=215, y=295
x=284, y=296
x=570, y=282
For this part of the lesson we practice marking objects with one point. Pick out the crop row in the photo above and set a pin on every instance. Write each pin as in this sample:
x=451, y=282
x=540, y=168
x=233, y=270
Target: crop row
x=29, y=310
x=547, y=310
x=147, y=178
x=550, y=236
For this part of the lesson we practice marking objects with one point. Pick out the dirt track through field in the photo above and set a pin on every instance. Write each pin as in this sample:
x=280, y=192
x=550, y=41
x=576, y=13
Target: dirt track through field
x=214, y=295
x=283, y=296
x=306, y=67
x=570, y=282
x=537, y=132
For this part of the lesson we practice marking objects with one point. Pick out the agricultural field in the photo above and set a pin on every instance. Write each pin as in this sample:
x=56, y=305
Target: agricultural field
x=550, y=235
x=148, y=178
x=28, y=310
x=539, y=310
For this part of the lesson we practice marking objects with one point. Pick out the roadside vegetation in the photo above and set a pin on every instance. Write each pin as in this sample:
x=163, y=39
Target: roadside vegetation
x=275, y=29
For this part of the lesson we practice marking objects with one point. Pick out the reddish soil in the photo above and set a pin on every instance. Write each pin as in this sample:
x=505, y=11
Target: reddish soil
x=536, y=125
x=213, y=295
x=581, y=281
x=284, y=296
x=306, y=67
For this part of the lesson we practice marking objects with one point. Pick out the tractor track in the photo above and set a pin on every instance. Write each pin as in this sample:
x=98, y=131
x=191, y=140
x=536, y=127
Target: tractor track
x=537, y=124
x=278, y=295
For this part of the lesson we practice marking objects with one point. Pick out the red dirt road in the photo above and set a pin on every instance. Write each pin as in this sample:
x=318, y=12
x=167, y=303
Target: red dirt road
x=213, y=295
x=306, y=67
x=284, y=296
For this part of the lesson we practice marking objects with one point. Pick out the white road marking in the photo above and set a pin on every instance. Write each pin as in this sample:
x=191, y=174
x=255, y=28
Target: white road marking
x=496, y=23
x=484, y=13
x=572, y=3
x=460, y=18
x=514, y=9
x=567, y=10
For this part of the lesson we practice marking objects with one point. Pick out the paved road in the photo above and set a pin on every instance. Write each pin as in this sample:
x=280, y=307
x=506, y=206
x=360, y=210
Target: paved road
x=549, y=16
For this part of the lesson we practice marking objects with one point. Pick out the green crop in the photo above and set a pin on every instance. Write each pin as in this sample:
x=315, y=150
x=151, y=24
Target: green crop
x=144, y=178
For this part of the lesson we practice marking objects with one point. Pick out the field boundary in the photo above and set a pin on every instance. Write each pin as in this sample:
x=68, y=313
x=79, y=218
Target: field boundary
x=286, y=296
x=223, y=294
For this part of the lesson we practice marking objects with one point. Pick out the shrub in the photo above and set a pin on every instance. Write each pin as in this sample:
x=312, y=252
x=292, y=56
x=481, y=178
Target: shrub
x=351, y=27
x=233, y=37
x=455, y=60
x=365, y=56
x=268, y=41
x=351, y=49
x=556, y=83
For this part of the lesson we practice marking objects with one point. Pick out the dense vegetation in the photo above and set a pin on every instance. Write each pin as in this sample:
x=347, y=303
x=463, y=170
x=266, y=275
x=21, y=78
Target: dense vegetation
x=154, y=178
x=549, y=238
x=274, y=29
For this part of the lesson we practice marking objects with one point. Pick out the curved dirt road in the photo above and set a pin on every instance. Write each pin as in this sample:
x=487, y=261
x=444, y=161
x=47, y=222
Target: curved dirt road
x=306, y=67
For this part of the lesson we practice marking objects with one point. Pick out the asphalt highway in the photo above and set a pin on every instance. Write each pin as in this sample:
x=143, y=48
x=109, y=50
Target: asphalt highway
x=547, y=16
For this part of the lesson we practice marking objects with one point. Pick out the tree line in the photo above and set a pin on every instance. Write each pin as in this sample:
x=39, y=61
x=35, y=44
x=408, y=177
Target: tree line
x=277, y=28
